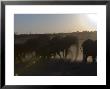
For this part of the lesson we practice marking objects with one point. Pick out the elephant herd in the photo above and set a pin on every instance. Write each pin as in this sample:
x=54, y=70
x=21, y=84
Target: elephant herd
x=47, y=46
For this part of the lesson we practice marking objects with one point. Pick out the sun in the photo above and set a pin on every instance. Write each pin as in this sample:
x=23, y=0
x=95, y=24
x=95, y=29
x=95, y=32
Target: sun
x=92, y=17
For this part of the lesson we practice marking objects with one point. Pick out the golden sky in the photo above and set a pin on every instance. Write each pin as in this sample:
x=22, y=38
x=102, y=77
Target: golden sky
x=54, y=23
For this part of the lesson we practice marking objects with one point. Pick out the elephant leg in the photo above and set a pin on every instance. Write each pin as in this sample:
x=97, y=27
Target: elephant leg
x=59, y=55
x=72, y=55
x=66, y=53
x=63, y=54
x=77, y=50
x=84, y=58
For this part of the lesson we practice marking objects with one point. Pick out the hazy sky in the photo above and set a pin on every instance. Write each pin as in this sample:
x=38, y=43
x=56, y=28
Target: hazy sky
x=54, y=23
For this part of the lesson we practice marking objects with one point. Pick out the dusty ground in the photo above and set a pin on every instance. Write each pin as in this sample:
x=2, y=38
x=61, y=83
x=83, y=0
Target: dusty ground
x=57, y=68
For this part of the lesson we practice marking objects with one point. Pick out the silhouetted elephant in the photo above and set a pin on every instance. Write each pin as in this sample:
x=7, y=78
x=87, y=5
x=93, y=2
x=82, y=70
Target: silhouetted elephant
x=69, y=41
x=39, y=46
x=45, y=46
x=62, y=44
x=56, y=45
x=89, y=49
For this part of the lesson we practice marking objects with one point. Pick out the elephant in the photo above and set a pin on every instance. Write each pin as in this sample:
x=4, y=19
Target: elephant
x=69, y=41
x=55, y=46
x=89, y=49
x=62, y=44
x=45, y=46
x=37, y=45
